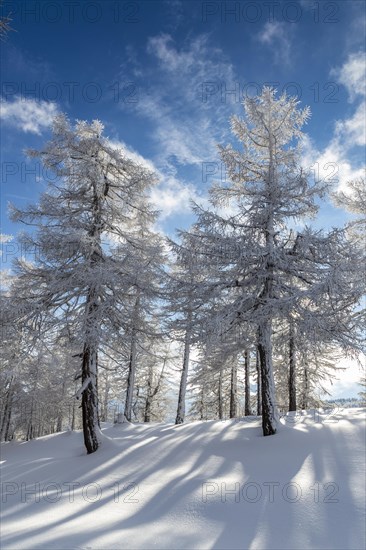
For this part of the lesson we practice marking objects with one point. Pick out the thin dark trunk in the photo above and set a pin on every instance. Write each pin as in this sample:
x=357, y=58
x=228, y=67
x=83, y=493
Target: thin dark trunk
x=221, y=407
x=259, y=383
x=233, y=391
x=292, y=371
x=63, y=391
x=305, y=392
x=181, y=409
x=30, y=427
x=247, y=408
x=202, y=404
x=130, y=380
x=73, y=414
x=132, y=363
x=7, y=425
x=147, y=414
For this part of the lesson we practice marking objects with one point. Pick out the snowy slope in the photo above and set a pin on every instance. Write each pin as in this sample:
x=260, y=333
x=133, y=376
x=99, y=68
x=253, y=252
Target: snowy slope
x=163, y=486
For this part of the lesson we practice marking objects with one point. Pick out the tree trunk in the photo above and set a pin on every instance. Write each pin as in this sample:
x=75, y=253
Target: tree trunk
x=147, y=414
x=89, y=376
x=73, y=412
x=89, y=372
x=259, y=383
x=292, y=371
x=247, y=408
x=61, y=404
x=269, y=409
x=135, y=405
x=233, y=390
x=104, y=413
x=305, y=392
x=30, y=429
x=131, y=379
x=132, y=361
x=89, y=401
x=202, y=404
x=221, y=407
x=181, y=409
x=152, y=392
x=7, y=423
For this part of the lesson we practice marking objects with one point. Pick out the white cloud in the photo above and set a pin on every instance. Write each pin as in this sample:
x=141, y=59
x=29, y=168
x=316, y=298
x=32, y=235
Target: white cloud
x=333, y=162
x=352, y=75
x=186, y=124
x=172, y=196
x=185, y=132
x=352, y=130
x=162, y=46
x=276, y=34
x=28, y=115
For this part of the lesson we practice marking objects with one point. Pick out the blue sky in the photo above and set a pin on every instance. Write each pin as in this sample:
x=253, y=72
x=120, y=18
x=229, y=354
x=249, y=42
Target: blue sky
x=165, y=76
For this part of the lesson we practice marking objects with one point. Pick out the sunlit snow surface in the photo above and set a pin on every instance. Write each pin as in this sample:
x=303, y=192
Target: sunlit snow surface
x=195, y=486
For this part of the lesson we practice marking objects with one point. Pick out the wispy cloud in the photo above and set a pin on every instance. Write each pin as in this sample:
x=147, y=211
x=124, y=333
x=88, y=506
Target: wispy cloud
x=28, y=115
x=277, y=35
x=348, y=134
x=188, y=111
x=179, y=104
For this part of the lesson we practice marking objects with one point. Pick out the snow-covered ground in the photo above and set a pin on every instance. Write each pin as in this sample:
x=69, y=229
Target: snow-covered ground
x=199, y=485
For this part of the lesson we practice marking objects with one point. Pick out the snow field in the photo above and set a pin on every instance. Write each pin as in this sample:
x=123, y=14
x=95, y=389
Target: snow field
x=200, y=485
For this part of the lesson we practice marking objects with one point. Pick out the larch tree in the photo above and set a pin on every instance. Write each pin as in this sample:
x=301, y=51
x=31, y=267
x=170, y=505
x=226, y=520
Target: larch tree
x=141, y=280
x=247, y=405
x=258, y=274
x=94, y=200
x=353, y=199
x=184, y=303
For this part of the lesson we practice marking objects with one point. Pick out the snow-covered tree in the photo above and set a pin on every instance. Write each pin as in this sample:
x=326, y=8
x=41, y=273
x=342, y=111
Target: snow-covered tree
x=183, y=307
x=141, y=289
x=362, y=383
x=354, y=201
x=95, y=200
x=258, y=276
x=5, y=27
